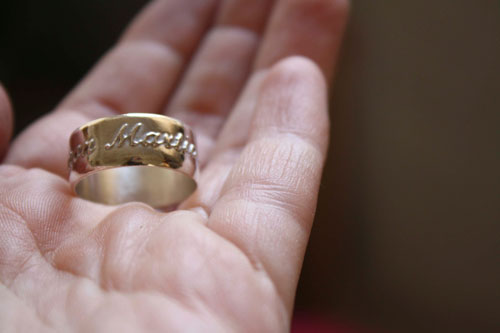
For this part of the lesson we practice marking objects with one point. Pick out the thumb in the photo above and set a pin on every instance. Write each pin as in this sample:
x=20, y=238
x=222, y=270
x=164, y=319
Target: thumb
x=5, y=121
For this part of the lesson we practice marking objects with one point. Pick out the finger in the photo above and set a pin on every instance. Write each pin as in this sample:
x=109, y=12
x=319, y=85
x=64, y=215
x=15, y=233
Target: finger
x=310, y=28
x=5, y=121
x=140, y=72
x=135, y=76
x=233, y=137
x=289, y=32
x=219, y=70
x=268, y=201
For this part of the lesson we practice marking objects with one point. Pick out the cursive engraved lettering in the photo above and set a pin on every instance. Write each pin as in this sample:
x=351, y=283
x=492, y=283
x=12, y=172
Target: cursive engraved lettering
x=121, y=137
x=165, y=139
x=150, y=139
x=82, y=150
x=91, y=146
x=177, y=141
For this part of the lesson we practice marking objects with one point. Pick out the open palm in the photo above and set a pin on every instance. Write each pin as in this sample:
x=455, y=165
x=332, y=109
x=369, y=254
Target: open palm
x=229, y=258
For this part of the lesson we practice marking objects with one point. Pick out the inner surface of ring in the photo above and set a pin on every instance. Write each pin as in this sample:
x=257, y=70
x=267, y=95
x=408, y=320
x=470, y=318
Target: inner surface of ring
x=156, y=186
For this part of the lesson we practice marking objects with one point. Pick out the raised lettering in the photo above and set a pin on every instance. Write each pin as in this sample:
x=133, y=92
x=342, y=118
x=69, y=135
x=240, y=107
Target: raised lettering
x=121, y=137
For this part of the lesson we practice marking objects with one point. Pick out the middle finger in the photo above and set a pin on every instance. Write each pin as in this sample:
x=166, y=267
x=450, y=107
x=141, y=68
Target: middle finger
x=219, y=70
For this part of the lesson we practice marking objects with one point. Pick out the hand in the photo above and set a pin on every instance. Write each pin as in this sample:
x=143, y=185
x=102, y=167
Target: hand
x=230, y=257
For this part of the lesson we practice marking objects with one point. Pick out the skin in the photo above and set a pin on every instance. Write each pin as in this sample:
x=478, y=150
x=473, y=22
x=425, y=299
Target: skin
x=251, y=79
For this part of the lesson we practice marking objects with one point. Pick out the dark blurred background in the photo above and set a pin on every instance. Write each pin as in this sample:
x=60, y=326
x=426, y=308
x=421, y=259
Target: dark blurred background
x=407, y=231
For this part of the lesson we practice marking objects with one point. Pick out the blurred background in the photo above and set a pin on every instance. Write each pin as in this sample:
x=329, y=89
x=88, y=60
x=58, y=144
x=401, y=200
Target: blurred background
x=407, y=233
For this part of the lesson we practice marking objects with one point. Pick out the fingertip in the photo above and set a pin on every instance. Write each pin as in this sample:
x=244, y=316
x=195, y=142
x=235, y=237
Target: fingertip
x=313, y=28
x=336, y=10
x=296, y=69
x=334, y=13
x=294, y=99
x=6, y=120
x=341, y=8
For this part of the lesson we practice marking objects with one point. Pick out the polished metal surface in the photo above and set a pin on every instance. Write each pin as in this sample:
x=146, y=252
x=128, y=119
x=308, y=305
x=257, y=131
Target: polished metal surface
x=133, y=157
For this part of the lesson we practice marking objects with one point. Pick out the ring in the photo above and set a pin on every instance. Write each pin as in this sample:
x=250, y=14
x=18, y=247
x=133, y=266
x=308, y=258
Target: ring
x=133, y=157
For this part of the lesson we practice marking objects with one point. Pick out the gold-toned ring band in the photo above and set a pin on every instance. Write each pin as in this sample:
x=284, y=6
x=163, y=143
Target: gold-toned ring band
x=133, y=157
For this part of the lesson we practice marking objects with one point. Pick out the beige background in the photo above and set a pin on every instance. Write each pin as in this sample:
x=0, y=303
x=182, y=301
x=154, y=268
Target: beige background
x=408, y=219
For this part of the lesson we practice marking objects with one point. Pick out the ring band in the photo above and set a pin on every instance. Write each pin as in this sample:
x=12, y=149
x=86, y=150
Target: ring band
x=133, y=157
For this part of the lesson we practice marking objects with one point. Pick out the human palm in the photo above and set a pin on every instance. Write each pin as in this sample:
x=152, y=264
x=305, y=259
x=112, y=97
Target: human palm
x=229, y=258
